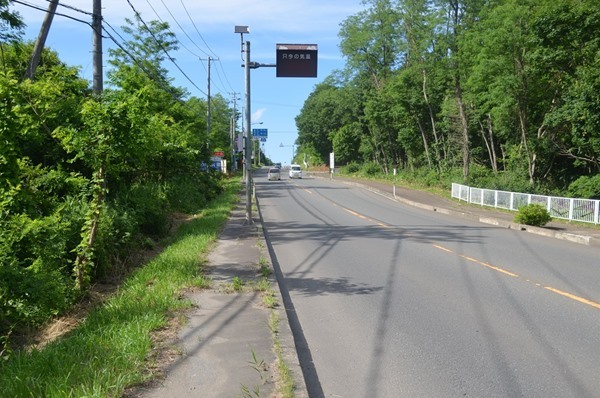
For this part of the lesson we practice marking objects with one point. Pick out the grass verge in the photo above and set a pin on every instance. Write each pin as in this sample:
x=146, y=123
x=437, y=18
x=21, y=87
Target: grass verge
x=110, y=349
x=286, y=385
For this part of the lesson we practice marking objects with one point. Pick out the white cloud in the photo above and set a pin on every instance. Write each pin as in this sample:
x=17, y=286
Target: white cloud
x=257, y=115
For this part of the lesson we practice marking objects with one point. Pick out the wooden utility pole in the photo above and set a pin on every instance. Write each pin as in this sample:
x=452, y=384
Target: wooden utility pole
x=41, y=40
x=83, y=261
x=97, y=43
x=208, y=102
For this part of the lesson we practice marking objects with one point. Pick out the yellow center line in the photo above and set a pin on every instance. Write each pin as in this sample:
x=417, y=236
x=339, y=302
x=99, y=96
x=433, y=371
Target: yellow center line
x=573, y=297
x=501, y=270
x=490, y=266
x=381, y=224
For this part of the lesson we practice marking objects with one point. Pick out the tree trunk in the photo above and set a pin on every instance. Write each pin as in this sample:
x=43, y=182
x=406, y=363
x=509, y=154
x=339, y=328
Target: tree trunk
x=464, y=127
x=488, y=139
x=433, y=124
x=425, y=145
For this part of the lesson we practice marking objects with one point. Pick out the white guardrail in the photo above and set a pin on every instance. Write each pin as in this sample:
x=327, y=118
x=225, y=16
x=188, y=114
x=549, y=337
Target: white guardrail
x=584, y=210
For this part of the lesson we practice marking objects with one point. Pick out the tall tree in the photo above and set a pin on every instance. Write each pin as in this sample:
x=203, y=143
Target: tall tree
x=460, y=16
x=372, y=43
x=11, y=23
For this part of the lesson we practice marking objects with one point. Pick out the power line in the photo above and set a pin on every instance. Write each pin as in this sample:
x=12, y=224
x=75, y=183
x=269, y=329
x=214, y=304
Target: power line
x=74, y=8
x=219, y=75
x=147, y=72
x=183, y=30
x=138, y=15
x=26, y=4
x=224, y=74
x=197, y=31
x=116, y=42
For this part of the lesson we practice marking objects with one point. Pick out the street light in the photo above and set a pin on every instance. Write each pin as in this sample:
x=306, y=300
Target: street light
x=245, y=48
x=241, y=30
x=293, y=149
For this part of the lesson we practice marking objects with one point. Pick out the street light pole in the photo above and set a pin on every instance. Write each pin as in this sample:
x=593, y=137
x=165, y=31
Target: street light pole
x=248, y=138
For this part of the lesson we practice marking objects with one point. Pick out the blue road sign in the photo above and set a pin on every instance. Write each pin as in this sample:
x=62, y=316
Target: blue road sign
x=260, y=132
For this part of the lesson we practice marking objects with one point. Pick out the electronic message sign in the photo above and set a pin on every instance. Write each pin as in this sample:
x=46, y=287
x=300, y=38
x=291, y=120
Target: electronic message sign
x=296, y=60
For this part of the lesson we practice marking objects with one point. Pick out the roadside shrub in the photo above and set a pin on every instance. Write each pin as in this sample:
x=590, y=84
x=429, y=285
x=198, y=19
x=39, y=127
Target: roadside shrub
x=35, y=273
x=352, y=168
x=533, y=214
x=371, y=169
x=148, y=201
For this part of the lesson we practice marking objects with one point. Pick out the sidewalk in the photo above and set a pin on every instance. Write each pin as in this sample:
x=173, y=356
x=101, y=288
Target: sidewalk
x=227, y=346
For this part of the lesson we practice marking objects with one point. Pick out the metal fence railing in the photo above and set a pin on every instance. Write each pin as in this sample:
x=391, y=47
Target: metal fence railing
x=584, y=210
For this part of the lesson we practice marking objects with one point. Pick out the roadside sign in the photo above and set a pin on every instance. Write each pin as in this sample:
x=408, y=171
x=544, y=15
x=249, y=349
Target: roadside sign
x=260, y=133
x=296, y=60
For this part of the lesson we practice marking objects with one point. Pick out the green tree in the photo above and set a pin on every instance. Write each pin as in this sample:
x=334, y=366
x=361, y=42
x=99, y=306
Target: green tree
x=323, y=112
x=567, y=55
x=11, y=23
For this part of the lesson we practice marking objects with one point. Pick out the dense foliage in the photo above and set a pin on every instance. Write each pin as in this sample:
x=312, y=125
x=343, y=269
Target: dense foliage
x=87, y=179
x=510, y=87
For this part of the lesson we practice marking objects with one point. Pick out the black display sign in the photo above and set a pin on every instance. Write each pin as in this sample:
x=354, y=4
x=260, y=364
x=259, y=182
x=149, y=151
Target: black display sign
x=296, y=60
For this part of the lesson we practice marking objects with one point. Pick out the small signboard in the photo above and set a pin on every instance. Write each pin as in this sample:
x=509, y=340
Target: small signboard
x=218, y=154
x=260, y=133
x=296, y=60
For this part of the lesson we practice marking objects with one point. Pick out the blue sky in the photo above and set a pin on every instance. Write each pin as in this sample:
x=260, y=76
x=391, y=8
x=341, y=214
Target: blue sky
x=206, y=28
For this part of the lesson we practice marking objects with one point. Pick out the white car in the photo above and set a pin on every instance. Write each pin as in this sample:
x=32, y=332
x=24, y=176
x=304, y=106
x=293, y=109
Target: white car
x=295, y=171
x=274, y=174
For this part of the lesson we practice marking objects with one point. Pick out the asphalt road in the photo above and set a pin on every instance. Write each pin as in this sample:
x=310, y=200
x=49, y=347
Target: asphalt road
x=393, y=301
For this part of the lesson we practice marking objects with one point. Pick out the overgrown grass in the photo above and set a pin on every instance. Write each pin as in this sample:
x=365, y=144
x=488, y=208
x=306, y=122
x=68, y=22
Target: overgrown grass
x=286, y=384
x=110, y=349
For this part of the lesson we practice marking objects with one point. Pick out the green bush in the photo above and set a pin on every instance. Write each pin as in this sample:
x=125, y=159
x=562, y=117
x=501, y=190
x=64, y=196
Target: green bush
x=533, y=214
x=371, y=169
x=352, y=168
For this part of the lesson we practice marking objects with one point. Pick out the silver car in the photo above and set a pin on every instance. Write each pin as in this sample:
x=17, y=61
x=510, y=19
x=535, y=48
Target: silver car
x=274, y=174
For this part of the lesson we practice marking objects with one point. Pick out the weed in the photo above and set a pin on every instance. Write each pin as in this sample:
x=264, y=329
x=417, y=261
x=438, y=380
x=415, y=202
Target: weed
x=286, y=384
x=262, y=285
x=259, y=365
x=265, y=269
x=269, y=300
x=237, y=283
x=202, y=282
x=246, y=393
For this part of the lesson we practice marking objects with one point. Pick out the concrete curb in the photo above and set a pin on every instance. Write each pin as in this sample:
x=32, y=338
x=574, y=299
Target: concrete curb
x=285, y=334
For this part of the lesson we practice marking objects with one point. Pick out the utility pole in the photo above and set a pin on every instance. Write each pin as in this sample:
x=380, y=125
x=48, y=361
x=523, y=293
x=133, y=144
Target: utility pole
x=97, y=43
x=208, y=102
x=99, y=192
x=248, y=140
x=41, y=40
